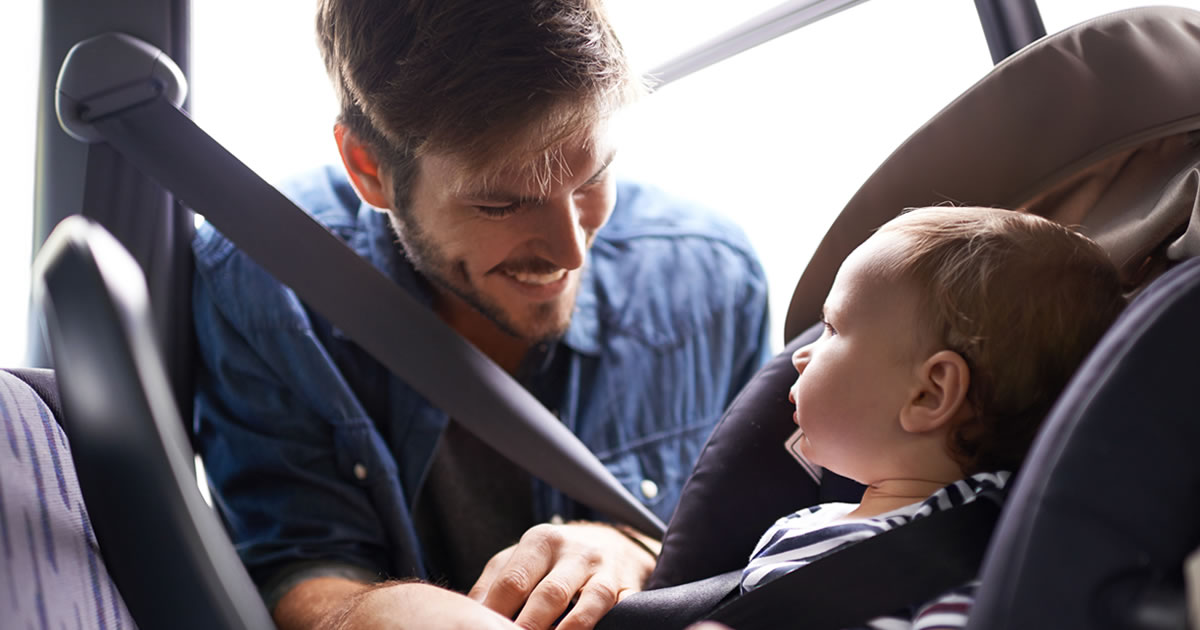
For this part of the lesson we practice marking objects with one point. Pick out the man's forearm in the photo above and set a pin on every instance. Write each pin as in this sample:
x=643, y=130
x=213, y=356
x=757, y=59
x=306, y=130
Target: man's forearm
x=331, y=603
x=316, y=603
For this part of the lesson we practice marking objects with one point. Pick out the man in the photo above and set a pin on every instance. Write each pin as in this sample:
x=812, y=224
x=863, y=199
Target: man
x=481, y=129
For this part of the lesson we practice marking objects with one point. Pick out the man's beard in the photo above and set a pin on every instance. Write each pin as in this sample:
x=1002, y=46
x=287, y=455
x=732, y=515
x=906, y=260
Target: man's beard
x=436, y=267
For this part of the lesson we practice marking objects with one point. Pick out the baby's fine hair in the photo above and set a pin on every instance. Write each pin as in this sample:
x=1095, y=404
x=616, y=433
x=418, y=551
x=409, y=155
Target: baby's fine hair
x=1022, y=299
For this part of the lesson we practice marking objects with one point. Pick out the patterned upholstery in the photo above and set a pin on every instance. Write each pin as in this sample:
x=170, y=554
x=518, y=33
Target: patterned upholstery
x=51, y=576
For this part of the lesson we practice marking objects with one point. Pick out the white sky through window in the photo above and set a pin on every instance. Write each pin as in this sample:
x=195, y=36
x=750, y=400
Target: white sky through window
x=778, y=138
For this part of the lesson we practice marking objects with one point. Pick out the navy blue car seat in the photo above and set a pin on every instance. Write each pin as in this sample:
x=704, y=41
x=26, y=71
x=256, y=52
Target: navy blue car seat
x=1095, y=126
x=1108, y=503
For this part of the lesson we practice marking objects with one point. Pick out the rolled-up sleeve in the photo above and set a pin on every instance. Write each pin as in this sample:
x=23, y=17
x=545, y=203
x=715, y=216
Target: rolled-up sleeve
x=285, y=444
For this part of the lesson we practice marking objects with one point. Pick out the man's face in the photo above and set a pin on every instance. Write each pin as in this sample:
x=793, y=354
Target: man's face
x=513, y=250
x=854, y=380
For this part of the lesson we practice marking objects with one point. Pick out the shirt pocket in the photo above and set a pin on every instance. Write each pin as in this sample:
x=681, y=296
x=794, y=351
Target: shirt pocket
x=655, y=468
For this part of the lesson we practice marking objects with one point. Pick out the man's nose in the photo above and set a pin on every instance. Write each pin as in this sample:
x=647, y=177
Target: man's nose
x=564, y=239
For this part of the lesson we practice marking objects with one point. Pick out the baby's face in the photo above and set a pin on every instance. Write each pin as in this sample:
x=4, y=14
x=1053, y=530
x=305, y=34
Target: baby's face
x=856, y=377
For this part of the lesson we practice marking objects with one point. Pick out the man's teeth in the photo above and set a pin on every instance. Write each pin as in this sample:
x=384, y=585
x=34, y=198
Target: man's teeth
x=538, y=278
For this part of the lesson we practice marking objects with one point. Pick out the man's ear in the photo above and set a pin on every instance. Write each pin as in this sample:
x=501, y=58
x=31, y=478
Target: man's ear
x=362, y=167
x=940, y=394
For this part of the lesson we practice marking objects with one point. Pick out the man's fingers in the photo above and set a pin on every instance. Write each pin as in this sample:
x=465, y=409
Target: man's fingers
x=554, y=593
x=554, y=565
x=529, y=562
x=509, y=591
x=493, y=567
x=595, y=600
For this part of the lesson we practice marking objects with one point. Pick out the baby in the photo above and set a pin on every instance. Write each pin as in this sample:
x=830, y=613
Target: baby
x=948, y=336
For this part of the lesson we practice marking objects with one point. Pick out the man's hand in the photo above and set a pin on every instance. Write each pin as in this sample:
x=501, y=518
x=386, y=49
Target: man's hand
x=553, y=564
x=338, y=604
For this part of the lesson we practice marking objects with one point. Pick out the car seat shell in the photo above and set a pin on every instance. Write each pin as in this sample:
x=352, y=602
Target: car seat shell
x=1105, y=509
x=1092, y=127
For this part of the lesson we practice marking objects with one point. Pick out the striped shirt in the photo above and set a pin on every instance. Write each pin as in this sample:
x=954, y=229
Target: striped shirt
x=812, y=533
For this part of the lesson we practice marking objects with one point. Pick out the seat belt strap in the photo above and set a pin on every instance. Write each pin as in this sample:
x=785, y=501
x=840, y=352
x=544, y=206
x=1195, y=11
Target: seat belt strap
x=407, y=338
x=908, y=565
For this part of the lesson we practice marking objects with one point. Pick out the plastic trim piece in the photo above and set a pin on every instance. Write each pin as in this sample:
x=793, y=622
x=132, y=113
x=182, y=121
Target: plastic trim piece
x=1009, y=25
x=778, y=21
x=108, y=73
x=165, y=548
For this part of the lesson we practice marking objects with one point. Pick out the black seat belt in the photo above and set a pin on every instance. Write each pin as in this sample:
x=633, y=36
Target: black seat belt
x=137, y=120
x=906, y=565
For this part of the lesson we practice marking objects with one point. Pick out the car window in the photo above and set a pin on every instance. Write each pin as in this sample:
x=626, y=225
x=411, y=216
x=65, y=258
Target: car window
x=654, y=32
x=1059, y=14
x=18, y=110
x=778, y=137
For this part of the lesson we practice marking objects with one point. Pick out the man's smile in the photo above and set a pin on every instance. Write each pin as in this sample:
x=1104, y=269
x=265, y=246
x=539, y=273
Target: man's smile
x=540, y=279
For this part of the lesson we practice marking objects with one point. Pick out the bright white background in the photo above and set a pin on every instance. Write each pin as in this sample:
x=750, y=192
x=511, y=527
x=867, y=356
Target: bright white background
x=779, y=138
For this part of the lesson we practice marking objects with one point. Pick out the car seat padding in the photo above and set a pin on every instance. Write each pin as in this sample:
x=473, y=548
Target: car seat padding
x=42, y=382
x=53, y=574
x=1105, y=508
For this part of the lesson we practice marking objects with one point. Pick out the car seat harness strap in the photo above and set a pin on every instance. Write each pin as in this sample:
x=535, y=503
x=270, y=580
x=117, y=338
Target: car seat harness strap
x=889, y=572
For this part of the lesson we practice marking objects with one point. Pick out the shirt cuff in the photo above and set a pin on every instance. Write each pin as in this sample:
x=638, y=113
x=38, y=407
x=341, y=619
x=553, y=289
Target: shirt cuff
x=291, y=575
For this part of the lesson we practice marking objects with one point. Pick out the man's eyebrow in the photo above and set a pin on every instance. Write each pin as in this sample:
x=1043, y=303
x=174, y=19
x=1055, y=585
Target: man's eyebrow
x=603, y=167
x=491, y=196
x=505, y=198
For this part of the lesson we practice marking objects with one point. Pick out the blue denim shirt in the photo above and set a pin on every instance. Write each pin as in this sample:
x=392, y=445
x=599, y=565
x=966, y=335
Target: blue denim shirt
x=315, y=452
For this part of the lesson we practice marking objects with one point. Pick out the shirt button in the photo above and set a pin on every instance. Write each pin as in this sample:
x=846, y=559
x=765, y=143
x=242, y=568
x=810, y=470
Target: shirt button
x=557, y=519
x=649, y=489
x=360, y=472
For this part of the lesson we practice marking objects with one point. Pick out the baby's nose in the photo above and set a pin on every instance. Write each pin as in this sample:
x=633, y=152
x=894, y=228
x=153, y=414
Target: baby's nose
x=800, y=358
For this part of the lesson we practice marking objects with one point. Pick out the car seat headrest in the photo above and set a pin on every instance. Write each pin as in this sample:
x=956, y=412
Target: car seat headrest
x=1104, y=509
x=1138, y=204
x=1112, y=96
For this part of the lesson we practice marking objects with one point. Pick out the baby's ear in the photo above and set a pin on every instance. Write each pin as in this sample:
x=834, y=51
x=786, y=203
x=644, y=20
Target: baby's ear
x=939, y=394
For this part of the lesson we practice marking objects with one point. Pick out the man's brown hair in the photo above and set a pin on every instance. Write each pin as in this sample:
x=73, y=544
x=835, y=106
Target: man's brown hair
x=1022, y=299
x=499, y=84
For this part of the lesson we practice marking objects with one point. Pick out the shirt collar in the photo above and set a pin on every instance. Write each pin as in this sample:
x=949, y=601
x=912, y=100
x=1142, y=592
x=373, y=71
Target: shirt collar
x=583, y=334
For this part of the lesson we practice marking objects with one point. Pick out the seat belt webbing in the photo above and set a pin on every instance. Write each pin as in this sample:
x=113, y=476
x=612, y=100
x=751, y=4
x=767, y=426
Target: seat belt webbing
x=365, y=304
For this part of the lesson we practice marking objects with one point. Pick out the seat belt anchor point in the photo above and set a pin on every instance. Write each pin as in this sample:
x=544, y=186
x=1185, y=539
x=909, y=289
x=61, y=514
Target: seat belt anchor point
x=107, y=74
